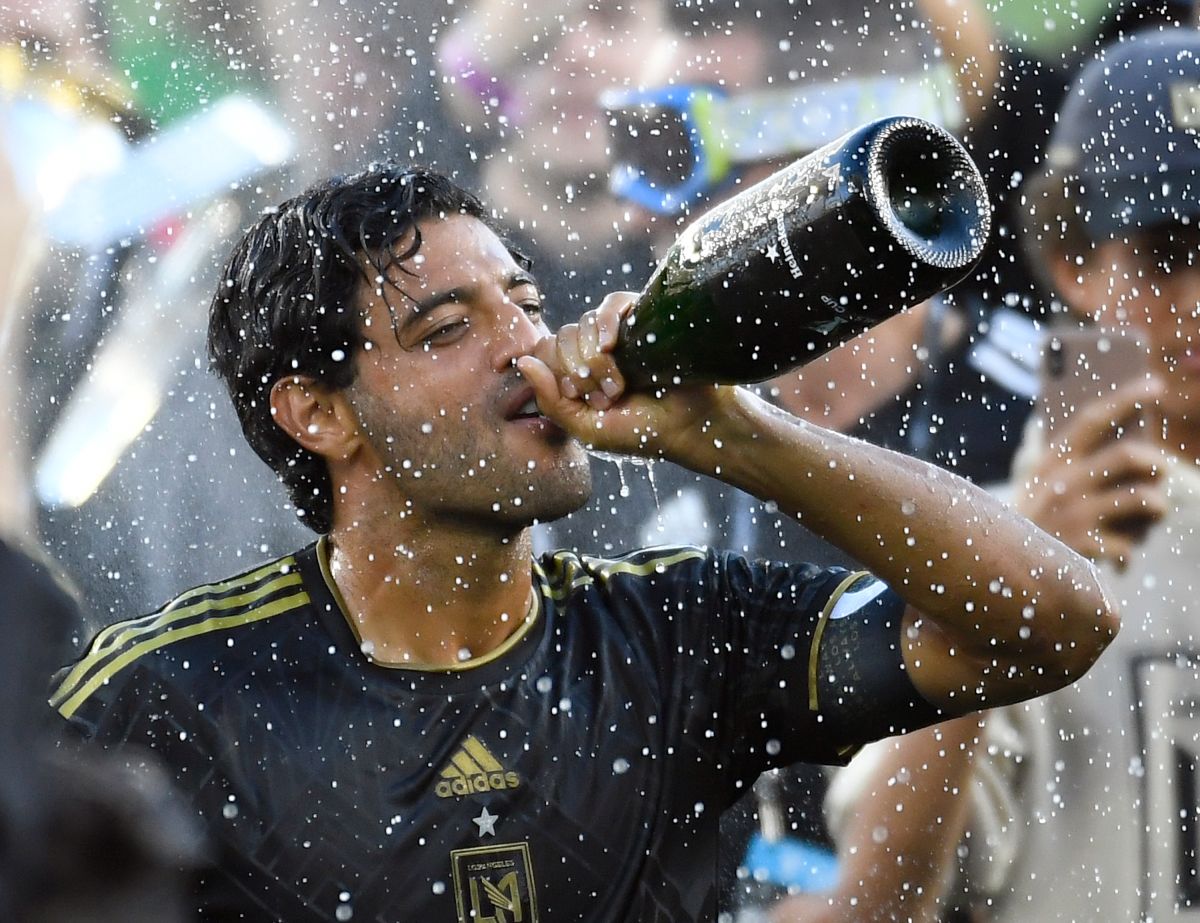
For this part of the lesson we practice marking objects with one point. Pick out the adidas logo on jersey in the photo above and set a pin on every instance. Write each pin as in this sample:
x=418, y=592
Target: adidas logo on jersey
x=473, y=771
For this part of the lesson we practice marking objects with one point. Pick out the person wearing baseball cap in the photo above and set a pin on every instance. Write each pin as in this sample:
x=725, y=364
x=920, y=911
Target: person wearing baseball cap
x=1101, y=776
x=1126, y=147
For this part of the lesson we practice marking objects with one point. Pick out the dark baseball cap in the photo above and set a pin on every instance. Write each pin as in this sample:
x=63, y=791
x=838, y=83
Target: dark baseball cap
x=1129, y=131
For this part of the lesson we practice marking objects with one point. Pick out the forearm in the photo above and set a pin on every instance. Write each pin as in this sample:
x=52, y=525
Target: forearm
x=992, y=585
x=896, y=852
x=967, y=38
x=898, y=855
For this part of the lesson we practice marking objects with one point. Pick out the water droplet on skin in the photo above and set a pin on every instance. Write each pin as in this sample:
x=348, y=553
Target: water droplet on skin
x=427, y=428
x=879, y=834
x=908, y=507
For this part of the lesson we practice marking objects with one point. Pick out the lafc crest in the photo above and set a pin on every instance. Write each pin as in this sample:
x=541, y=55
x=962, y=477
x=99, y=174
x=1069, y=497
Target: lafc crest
x=494, y=884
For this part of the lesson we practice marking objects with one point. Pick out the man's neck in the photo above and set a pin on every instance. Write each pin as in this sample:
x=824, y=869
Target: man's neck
x=431, y=597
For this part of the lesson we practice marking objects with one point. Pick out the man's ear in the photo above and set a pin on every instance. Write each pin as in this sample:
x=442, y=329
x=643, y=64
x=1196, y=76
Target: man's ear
x=319, y=418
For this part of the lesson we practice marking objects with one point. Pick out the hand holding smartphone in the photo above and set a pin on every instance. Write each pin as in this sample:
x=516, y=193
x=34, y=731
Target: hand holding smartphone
x=1087, y=366
x=1099, y=485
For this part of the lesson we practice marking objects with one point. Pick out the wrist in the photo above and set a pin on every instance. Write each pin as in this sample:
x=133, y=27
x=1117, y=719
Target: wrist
x=718, y=442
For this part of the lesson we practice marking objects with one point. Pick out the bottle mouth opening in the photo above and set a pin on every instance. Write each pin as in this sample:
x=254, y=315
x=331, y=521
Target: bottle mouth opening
x=931, y=194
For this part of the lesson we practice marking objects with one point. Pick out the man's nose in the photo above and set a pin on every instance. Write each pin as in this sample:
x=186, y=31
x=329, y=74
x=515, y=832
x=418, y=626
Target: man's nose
x=517, y=332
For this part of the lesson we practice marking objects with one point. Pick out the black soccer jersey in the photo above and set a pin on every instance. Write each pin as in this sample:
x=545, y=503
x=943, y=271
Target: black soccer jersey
x=576, y=774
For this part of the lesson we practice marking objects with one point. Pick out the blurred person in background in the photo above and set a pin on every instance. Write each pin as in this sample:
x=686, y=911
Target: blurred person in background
x=528, y=79
x=358, y=82
x=95, y=840
x=888, y=840
x=341, y=84
x=108, y=278
x=1102, y=779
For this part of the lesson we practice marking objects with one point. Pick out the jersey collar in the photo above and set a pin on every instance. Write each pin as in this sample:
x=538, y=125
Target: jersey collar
x=533, y=615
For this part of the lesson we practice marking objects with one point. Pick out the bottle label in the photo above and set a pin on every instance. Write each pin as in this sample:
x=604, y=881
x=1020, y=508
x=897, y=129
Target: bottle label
x=785, y=245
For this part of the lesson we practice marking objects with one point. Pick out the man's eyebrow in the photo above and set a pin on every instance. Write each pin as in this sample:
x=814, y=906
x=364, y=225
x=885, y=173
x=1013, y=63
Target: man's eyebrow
x=521, y=277
x=420, y=306
x=429, y=302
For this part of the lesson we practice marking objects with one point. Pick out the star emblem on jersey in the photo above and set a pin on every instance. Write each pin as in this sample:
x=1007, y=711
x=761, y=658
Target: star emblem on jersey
x=474, y=770
x=487, y=823
x=772, y=253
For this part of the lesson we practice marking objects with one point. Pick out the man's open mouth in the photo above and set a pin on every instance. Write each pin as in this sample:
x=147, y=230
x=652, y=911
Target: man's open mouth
x=523, y=406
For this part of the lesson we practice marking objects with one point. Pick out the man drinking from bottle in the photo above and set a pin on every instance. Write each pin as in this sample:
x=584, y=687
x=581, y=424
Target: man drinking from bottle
x=414, y=718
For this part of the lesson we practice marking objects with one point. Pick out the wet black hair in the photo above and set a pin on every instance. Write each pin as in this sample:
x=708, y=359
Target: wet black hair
x=289, y=301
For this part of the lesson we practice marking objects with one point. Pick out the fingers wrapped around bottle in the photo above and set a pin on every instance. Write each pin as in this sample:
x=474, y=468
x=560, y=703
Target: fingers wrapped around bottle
x=580, y=355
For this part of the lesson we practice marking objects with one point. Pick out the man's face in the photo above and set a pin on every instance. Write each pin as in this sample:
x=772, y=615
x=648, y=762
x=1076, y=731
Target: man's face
x=448, y=419
x=1151, y=279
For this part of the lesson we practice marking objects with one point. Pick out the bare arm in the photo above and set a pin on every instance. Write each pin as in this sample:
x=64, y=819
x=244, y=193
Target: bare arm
x=896, y=854
x=964, y=31
x=999, y=611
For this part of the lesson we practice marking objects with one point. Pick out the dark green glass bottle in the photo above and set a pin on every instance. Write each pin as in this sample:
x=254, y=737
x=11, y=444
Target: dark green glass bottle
x=843, y=238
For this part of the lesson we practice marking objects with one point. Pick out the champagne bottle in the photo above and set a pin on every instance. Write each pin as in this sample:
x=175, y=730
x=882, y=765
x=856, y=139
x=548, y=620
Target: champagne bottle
x=845, y=237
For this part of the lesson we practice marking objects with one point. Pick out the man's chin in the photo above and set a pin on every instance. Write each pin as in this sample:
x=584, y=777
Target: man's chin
x=554, y=497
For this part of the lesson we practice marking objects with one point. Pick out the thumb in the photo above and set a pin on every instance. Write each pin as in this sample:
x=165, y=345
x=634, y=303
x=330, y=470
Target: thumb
x=550, y=400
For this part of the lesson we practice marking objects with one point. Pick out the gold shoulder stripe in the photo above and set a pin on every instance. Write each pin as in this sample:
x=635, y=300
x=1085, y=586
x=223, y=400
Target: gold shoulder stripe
x=815, y=649
x=608, y=569
x=105, y=638
x=569, y=572
x=286, y=604
x=130, y=630
x=566, y=575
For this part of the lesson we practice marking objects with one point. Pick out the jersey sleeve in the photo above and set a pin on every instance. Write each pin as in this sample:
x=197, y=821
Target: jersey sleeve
x=814, y=668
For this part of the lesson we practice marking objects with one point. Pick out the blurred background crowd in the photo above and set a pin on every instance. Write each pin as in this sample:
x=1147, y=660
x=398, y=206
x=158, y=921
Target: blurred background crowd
x=138, y=137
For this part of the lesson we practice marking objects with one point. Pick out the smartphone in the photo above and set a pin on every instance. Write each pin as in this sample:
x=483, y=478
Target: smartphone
x=1080, y=366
